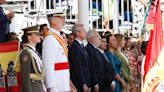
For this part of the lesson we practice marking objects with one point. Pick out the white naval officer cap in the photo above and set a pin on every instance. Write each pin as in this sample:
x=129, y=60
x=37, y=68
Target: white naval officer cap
x=56, y=13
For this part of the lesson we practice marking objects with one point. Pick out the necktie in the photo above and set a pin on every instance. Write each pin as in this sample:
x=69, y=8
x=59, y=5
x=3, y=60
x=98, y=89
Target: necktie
x=105, y=57
x=82, y=45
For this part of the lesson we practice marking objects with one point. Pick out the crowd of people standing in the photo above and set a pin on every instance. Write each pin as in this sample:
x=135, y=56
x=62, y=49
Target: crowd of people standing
x=50, y=62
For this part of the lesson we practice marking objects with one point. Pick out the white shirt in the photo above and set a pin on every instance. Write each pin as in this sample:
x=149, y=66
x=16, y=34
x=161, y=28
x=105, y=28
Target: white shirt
x=52, y=54
x=80, y=42
x=55, y=31
x=100, y=50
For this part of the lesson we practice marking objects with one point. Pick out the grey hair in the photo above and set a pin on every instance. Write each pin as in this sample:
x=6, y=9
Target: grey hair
x=50, y=19
x=91, y=33
x=76, y=28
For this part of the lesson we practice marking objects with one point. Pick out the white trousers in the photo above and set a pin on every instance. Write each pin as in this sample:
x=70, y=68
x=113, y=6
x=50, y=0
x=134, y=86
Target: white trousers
x=55, y=90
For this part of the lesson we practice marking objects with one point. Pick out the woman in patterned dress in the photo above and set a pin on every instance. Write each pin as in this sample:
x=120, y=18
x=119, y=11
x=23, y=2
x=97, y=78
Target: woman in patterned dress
x=133, y=63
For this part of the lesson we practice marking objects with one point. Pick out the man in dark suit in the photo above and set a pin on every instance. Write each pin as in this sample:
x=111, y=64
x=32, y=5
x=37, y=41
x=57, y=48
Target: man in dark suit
x=70, y=39
x=78, y=59
x=4, y=22
x=99, y=79
x=43, y=30
x=109, y=72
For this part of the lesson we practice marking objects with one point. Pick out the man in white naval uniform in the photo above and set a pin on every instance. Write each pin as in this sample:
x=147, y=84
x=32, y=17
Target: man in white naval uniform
x=55, y=56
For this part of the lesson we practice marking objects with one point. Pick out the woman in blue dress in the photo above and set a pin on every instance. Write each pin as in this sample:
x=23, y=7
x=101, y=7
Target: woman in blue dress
x=116, y=64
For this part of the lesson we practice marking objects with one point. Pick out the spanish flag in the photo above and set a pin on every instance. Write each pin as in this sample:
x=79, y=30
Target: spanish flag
x=9, y=51
x=151, y=66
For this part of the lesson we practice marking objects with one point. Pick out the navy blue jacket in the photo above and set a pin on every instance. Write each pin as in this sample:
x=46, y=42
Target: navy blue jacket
x=101, y=71
x=3, y=25
x=79, y=69
x=96, y=65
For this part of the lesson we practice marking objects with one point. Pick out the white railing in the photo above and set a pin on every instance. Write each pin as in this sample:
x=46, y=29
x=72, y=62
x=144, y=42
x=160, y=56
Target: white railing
x=101, y=11
x=103, y=14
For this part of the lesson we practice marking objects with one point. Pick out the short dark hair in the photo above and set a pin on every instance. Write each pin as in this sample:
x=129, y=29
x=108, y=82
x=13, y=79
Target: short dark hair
x=42, y=26
x=69, y=35
x=144, y=47
x=102, y=37
x=127, y=38
x=10, y=36
x=61, y=32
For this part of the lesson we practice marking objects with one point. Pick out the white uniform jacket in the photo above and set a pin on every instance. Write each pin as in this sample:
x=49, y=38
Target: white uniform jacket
x=55, y=62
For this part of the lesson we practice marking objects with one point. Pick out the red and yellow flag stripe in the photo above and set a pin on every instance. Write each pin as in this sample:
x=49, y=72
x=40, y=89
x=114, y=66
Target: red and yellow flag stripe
x=9, y=51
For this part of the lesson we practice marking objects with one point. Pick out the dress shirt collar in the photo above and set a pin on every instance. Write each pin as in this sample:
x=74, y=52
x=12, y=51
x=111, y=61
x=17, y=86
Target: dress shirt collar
x=80, y=42
x=93, y=46
x=100, y=50
x=54, y=31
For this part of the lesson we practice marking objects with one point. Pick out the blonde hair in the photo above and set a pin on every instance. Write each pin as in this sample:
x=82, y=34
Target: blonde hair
x=119, y=38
